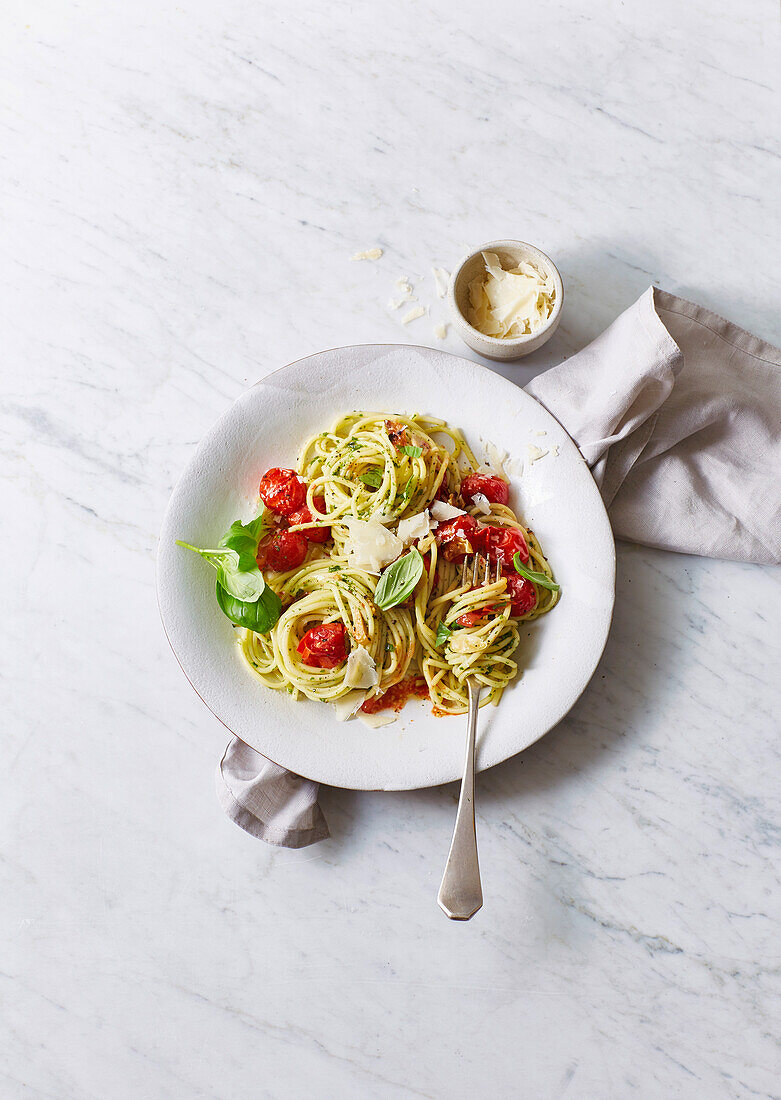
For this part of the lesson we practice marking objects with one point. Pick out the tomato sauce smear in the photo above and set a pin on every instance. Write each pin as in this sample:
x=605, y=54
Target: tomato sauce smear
x=395, y=697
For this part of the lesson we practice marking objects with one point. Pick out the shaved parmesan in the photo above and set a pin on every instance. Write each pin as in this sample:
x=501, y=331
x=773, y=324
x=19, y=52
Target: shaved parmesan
x=367, y=254
x=370, y=545
x=510, y=302
x=374, y=721
x=535, y=452
x=404, y=285
x=416, y=527
x=494, y=458
x=413, y=314
x=440, y=331
x=361, y=670
x=482, y=504
x=349, y=704
x=555, y=449
x=514, y=466
x=442, y=512
x=441, y=280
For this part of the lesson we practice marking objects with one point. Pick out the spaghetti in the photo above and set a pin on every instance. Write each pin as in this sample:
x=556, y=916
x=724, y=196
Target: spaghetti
x=358, y=558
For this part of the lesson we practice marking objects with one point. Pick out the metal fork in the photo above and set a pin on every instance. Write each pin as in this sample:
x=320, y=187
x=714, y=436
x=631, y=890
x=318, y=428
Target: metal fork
x=460, y=893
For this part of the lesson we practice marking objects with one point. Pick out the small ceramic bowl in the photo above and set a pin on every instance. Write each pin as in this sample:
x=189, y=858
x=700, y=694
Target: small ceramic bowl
x=510, y=253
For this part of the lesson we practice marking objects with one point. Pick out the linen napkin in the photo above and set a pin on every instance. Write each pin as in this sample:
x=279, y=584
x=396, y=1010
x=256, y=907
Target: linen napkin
x=678, y=414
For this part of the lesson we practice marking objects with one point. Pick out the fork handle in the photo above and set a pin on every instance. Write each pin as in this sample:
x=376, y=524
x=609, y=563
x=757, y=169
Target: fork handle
x=460, y=894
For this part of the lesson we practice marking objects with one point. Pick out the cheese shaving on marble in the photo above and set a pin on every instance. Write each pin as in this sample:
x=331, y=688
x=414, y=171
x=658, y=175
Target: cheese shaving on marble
x=413, y=314
x=510, y=302
x=367, y=254
x=441, y=280
x=440, y=331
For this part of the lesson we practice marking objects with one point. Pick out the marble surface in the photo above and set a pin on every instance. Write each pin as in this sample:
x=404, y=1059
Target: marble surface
x=182, y=187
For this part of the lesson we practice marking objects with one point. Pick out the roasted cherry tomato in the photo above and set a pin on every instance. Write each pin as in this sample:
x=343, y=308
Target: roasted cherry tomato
x=284, y=551
x=492, y=488
x=523, y=596
x=504, y=542
x=397, y=433
x=461, y=536
x=304, y=515
x=283, y=491
x=443, y=492
x=324, y=646
x=472, y=618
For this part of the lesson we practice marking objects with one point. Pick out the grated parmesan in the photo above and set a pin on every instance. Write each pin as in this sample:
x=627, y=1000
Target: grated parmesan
x=367, y=254
x=413, y=314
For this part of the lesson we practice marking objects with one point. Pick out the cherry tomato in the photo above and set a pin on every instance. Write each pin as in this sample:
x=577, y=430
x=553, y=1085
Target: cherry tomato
x=304, y=515
x=504, y=542
x=461, y=536
x=493, y=488
x=324, y=646
x=397, y=433
x=283, y=491
x=523, y=596
x=284, y=551
x=472, y=618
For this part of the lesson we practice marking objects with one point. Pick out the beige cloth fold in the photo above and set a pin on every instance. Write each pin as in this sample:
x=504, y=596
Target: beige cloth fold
x=678, y=414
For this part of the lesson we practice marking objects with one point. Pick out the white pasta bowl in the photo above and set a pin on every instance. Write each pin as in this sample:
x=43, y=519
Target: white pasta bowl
x=555, y=495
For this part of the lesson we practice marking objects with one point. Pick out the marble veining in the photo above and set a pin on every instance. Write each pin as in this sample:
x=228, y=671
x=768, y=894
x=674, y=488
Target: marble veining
x=183, y=187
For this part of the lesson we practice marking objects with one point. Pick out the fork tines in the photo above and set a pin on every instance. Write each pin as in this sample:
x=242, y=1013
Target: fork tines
x=478, y=566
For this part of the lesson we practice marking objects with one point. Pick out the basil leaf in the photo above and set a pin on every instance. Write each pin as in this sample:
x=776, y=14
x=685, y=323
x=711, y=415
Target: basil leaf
x=541, y=579
x=260, y=615
x=242, y=584
x=405, y=492
x=372, y=478
x=398, y=580
x=244, y=538
x=443, y=633
x=413, y=452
